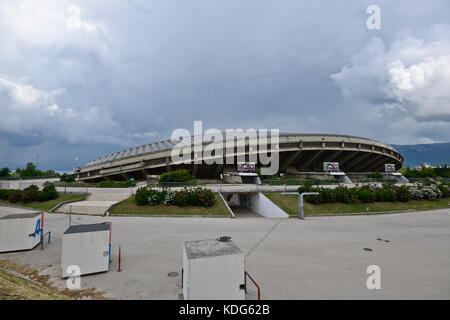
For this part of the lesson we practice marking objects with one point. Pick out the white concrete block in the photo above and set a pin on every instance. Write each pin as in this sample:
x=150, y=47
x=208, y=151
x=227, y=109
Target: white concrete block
x=213, y=270
x=86, y=246
x=20, y=231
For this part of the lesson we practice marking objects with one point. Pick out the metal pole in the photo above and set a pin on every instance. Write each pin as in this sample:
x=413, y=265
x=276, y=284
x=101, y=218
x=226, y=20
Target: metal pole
x=301, y=213
x=120, y=257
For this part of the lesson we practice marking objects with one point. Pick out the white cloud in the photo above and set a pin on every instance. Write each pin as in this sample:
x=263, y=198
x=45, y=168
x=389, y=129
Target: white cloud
x=408, y=82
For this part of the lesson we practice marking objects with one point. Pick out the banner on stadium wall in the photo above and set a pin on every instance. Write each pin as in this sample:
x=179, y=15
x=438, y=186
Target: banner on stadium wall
x=331, y=166
x=389, y=167
x=246, y=166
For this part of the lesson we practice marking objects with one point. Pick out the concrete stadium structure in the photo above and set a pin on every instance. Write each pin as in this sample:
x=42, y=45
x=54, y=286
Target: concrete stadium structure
x=298, y=154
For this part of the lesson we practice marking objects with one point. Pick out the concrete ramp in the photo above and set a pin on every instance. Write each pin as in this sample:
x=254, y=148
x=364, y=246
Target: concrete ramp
x=96, y=203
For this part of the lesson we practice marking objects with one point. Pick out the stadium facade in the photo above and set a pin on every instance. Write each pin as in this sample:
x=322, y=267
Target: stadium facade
x=298, y=153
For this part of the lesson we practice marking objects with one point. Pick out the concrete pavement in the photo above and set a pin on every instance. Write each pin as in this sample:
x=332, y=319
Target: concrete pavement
x=317, y=258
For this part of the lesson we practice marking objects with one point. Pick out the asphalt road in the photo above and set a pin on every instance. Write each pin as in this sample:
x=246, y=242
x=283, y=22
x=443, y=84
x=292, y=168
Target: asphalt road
x=317, y=258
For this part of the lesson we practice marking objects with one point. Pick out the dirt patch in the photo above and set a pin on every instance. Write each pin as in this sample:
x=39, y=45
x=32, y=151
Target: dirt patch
x=19, y=282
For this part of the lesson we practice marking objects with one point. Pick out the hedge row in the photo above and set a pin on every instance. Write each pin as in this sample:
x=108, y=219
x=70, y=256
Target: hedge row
x=182, y=175
x=116, y=184
x=186, y=197
x=30, y=194
x=370, y=193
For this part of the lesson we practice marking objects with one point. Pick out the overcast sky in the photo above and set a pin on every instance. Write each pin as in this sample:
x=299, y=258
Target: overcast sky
x=86, y=78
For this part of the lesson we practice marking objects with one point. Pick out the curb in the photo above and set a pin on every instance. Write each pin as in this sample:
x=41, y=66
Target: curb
x=365, y=213
x=167, y=216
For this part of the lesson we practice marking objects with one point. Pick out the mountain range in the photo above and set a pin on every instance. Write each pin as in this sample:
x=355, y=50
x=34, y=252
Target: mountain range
x=419, y=154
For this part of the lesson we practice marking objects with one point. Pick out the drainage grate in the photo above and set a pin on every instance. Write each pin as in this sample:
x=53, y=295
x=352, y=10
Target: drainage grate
x=172, y=274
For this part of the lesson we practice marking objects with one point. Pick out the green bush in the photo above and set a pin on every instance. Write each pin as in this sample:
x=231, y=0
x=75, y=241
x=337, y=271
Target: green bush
x=402, y=194
x=66, y=178
x=141, y=196
x=375, y=175
x=116, y=184
x=50, y=189
x=43, y=196
x=15, y=196
x=366, y=196
x=386, y=193
x=176, y=176
x=4, y=194
x=29, y=194
x=307, y=186
x=445, y=189
x=182, y=198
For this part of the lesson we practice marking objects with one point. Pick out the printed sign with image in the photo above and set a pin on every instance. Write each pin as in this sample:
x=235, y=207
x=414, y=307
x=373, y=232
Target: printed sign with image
x=246, y=166
x=389, y=167
x=331, y=166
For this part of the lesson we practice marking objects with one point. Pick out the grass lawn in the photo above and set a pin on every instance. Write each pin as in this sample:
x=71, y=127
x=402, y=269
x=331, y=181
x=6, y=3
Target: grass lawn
x=18, y=282
x=290, y=205
x=45, y=205
x=129, y=206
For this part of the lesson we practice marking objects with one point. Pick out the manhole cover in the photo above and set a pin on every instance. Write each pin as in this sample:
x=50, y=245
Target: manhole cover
x=172, y=274
x=367, y=249
x=225, y=238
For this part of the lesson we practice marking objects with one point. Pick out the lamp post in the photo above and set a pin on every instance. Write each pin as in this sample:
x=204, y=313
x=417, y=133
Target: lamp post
x=301, y=213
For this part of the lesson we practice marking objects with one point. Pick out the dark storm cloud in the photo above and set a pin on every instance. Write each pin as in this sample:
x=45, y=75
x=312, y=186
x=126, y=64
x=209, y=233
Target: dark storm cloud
x=122, y=73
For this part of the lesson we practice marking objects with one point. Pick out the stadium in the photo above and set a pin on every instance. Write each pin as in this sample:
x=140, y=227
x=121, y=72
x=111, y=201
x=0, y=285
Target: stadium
x=299, y=155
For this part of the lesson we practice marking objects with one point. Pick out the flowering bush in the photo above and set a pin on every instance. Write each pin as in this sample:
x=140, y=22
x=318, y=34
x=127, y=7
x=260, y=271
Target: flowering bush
x=371, y=193
x=185, y=197
x=429, y=192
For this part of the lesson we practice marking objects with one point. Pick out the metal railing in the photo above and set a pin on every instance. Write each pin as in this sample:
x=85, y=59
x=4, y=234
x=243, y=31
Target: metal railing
x=246, y=274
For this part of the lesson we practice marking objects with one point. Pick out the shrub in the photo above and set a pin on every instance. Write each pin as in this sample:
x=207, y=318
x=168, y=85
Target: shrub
x=194, y=197
x=66, y=178
x=182, y=175
x=445, y=190
x=29, y=194
x=43, y=196
x=402, y=194
x=15, y=196
x=387, y=193
x=307, y=186
x=430, y=192
x=375, y=175
x=366, y=196
x=342, y=194
x=141, y=196
x=181, y=199
x=116, y=184
x=4, y=194
x=156, y=197
x=51, y=191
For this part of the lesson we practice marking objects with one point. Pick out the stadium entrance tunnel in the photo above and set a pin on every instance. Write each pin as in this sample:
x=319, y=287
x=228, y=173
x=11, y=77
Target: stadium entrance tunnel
x=253, y=205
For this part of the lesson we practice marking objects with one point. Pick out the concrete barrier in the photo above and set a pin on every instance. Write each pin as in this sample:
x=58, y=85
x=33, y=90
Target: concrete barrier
x=21, y=231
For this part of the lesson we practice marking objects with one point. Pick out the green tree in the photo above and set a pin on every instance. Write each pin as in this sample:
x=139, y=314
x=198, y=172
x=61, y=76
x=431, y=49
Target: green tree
x=5, y=172
x=29, y=171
